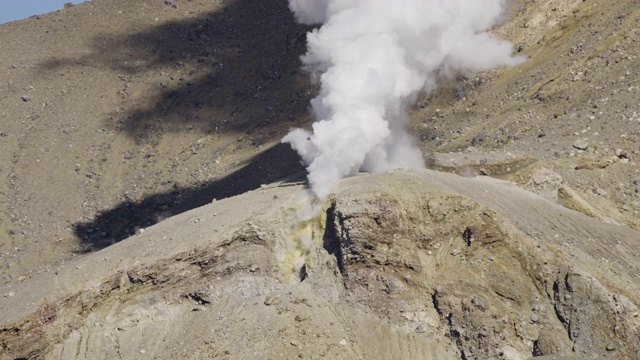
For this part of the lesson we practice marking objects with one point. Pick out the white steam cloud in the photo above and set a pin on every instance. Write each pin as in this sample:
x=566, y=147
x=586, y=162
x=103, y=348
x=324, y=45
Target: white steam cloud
x=372, y=59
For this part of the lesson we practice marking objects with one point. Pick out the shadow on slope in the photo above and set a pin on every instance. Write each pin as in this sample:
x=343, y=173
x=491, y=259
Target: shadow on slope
x=234, y=69
x=217, y=71
x=124, y=219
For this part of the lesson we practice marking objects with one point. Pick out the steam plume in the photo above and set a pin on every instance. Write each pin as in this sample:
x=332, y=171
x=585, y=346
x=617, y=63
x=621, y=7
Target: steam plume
x=372, y=59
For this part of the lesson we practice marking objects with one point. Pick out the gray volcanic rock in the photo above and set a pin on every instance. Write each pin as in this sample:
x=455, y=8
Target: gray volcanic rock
x=408, y=265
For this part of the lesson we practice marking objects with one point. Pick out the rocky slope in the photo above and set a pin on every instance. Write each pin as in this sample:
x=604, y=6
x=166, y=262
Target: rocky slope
x=572, y=105
x=406, y=265
x=116, y=115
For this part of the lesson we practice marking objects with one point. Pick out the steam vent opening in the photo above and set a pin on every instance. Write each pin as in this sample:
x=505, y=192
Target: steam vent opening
x=331, y=239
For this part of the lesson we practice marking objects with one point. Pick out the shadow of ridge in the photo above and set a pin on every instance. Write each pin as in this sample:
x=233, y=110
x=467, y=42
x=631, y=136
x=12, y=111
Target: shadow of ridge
x=216, y=71
x=125, y=219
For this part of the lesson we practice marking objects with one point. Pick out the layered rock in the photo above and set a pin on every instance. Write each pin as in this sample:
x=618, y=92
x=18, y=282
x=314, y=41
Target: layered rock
x=408, y=264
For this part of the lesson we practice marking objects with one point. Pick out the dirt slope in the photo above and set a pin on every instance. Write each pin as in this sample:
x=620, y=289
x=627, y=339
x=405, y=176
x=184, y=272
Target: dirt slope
x=116, y=114
x=572, y=105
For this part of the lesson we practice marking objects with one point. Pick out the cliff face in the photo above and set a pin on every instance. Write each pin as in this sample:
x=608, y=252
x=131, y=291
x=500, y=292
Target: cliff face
x=118, y=115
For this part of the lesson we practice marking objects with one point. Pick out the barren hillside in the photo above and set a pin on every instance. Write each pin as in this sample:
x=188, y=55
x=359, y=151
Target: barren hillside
x=521, y=240
x=116, y=114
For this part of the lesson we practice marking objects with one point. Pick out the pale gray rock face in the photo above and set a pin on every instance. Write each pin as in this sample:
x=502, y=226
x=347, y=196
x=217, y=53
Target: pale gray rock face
x=581, y=144
x=371, y=276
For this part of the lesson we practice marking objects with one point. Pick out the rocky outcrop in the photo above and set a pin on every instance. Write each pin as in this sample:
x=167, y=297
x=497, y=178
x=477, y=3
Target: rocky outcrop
x=498, y=292
x=409, y=264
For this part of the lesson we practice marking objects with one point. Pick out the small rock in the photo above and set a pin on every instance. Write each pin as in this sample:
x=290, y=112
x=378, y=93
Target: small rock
x=142, y=351
x=622, y=154
x=581, y=144
x=455, y=252
x=610, y=347
x=600, y=192
x=271, y=300
x=26, y=98
x=534, y=318
x=343, y=342
x=295, y=343
x=478, y=139
x=479, y=301
x=421, y=328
